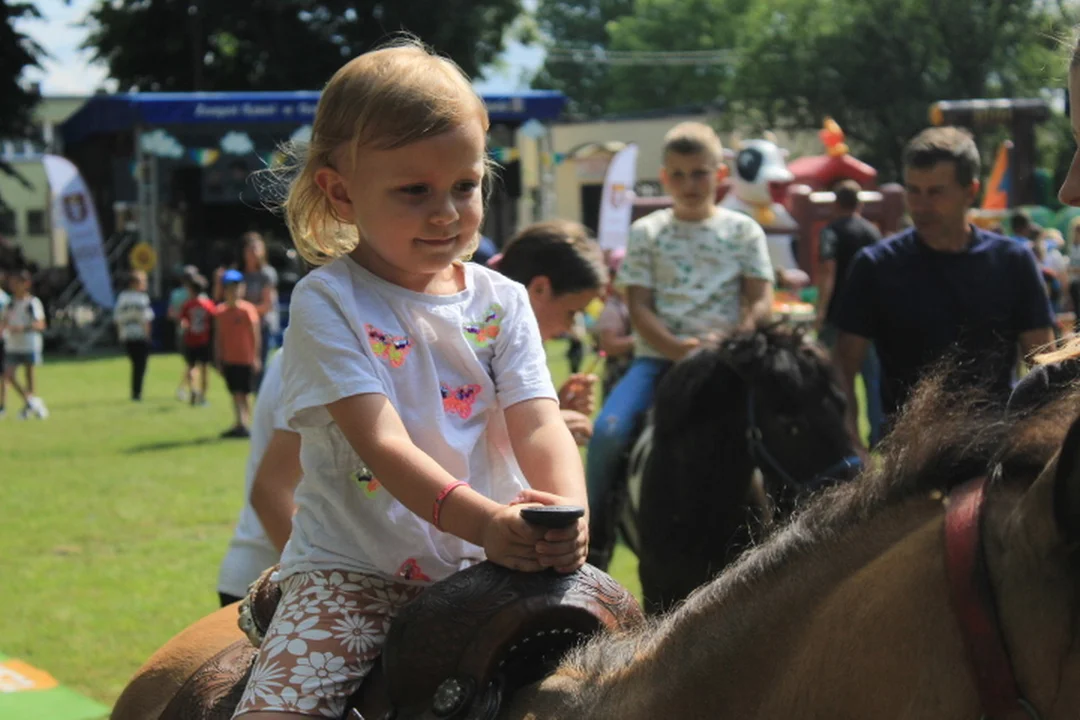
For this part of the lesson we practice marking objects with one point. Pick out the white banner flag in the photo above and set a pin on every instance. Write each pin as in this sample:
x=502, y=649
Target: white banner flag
x=73, y=207
x=618, y=200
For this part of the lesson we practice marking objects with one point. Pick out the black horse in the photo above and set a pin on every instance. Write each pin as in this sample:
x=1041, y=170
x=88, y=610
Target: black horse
x=765, y=401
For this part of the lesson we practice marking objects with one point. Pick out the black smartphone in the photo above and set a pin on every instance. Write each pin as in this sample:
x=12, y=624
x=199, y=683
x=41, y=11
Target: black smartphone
x=553, y=516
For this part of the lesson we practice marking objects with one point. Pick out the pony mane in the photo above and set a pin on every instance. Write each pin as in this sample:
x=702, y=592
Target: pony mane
x=945, y=435
x=777, y=355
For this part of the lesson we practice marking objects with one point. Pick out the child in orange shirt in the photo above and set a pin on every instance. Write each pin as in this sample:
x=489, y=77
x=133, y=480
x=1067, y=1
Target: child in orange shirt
x=236, y=349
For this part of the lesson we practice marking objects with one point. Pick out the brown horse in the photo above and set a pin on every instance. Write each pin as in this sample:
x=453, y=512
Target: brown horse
x=847, y=612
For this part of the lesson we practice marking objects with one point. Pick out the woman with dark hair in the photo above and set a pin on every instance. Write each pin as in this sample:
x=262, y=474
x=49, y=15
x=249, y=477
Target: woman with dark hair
x=563, y=270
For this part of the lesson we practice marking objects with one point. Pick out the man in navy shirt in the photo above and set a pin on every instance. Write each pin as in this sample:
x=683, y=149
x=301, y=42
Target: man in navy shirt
x=942, y=288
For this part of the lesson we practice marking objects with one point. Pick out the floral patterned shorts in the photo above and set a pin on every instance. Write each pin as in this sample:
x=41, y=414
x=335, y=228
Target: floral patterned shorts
x=328, y=631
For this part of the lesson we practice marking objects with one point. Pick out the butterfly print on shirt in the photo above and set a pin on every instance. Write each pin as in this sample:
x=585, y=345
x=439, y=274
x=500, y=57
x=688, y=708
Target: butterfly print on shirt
x=482, y=333
x=459, y=400
x=393, y=348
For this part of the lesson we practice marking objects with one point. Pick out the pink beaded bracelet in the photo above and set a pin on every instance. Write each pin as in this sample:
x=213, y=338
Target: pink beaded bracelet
x=439, y=501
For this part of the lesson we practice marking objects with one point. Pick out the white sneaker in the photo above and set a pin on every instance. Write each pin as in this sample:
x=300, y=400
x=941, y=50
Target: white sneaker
x=38, y=406
x=182, y=395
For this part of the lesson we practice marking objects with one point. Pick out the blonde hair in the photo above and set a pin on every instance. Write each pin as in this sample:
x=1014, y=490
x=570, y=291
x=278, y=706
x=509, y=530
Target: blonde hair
x=1070, y=349
x=381, y=100
x=688, y=138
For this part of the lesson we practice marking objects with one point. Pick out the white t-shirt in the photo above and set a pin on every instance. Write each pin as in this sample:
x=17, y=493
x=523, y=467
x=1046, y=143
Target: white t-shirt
x=450, y=365
x=694, y=269
x=22, y=313
x=131, y=313
x=250, y=550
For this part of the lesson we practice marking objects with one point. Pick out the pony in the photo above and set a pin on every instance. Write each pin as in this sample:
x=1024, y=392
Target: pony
x=766, y=402
x=855, y=609
x=883, y=598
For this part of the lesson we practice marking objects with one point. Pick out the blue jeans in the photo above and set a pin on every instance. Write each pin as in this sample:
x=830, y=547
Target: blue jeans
x=612, y=435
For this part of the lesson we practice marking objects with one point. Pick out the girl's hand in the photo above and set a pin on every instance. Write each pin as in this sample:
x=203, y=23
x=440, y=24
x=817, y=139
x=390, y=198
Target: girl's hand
x=564, y=549
x=511, y=542
x=577, y=393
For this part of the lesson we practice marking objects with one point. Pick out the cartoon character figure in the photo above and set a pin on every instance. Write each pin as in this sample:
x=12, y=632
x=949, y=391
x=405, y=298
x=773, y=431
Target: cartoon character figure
x=394, y=348
x=832, y=137
x=759, y=163
x=483, y=333
x=459, y=400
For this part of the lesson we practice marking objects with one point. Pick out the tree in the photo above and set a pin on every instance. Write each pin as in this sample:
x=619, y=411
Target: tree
x=581, y=27
x=598, y=81
x=877, y=65
x=183, y=45
x=674, y=25
x=17, y=52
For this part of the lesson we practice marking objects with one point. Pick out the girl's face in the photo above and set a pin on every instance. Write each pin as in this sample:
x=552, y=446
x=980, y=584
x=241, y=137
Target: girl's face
x=1070, y=189
x=417, y=207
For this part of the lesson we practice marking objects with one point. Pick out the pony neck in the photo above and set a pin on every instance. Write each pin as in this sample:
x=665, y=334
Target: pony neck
x=784, y=643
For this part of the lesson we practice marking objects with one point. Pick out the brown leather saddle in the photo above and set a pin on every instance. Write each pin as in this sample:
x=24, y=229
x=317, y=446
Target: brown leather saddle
x=454, y=653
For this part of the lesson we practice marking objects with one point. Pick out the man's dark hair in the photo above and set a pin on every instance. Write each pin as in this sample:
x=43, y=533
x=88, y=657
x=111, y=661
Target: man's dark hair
x=559, y=250
x=1019, y=222
x=847, y=195
x=944, y=144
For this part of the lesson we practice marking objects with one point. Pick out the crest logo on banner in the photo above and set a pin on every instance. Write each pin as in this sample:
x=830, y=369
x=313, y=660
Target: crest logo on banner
x=75, y=208
x=618, y=195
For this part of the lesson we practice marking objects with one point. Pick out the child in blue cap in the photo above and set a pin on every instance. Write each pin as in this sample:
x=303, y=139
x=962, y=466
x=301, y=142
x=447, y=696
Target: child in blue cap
x=236, y=349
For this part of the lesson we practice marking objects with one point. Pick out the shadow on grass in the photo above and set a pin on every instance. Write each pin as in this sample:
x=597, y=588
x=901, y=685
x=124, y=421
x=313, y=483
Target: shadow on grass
x=174, y=444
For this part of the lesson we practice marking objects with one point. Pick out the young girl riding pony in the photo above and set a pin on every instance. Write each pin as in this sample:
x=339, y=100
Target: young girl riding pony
x=417, y=382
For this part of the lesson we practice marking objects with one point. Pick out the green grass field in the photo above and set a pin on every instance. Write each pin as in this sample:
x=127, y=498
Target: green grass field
x=115, y=517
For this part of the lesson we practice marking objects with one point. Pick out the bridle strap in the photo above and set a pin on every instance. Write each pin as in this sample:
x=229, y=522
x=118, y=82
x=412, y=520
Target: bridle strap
x=765, y=460
x=974, y=606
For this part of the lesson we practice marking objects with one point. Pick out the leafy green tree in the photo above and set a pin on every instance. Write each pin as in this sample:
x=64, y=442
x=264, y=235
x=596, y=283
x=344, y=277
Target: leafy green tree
x=581, y=27
x=182, y=45
x=669, y=26
x=17, y=53
x=877, y=65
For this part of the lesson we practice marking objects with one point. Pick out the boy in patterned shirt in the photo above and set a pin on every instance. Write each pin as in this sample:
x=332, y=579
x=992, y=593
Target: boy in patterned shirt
x=692, y=270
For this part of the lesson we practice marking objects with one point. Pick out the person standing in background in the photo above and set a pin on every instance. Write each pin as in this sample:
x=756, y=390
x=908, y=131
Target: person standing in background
x=23, y=324
x=237, y=349
x=260, y=283
x=197, y=321
x=177, y=298
x=133, y=316
x=945, y=288
x=839, y=242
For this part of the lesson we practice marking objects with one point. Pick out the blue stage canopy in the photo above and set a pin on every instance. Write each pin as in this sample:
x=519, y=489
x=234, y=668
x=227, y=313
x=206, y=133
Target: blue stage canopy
x=113, y=113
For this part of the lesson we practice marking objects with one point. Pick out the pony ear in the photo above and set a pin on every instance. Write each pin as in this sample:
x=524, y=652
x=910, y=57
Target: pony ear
x=1067, y=486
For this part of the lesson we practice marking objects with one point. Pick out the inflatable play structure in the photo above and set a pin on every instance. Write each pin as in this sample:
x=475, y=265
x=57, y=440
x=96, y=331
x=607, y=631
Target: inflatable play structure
x=794, y=201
